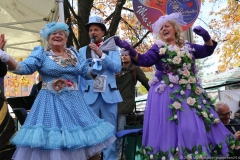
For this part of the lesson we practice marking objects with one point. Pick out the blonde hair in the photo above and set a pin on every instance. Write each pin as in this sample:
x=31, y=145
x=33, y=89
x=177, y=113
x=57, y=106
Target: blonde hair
x=180, y=39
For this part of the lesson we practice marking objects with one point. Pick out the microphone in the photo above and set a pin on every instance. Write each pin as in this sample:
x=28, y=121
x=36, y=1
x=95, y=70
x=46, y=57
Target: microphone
x=93, y=39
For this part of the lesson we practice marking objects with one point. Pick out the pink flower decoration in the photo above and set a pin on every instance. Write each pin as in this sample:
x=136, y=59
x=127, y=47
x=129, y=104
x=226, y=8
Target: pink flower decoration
x=69, y=83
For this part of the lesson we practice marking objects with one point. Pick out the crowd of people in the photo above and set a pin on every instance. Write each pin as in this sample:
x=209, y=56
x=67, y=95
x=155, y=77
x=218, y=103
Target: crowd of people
x=85, y=95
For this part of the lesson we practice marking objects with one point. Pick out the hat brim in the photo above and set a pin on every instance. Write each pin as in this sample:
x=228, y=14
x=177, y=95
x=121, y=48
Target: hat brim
x=102, y=26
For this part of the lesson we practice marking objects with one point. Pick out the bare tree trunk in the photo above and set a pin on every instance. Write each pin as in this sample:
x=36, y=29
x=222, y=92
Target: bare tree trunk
x=68, y=21
x=116, y=18
x=84, y=10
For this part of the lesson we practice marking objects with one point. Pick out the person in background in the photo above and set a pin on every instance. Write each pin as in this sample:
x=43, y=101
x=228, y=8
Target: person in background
x=7, y=126
x=60, y=125
x=179, y=118
x=36, y=86
x=126, y=82
x=237, y=113
x=224, y=114
x=102, y=99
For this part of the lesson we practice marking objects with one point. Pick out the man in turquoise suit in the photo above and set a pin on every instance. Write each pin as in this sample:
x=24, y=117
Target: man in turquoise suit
x=101, y=94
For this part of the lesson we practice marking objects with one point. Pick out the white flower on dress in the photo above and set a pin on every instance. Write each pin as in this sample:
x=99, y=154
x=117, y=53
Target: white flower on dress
x=144, y=151
x=163, y=158
x=233, y=146
x=170, y=85
x=216, y=120
x=175, y=117
x=211, y=115
x=186, y=73
x=182, y=92
x=151, y=156
x=204, y=114
x=189, y=55
x=183, y=81
x=192, y=80
x=176, y=105
x=191, y=101
x=189, y=157
x=176, y=60
x=177, y=149
x=180, y=53
x=199, y=106
x=176, y=48
x=204, y=101
x=162, y=51
x=196, y=152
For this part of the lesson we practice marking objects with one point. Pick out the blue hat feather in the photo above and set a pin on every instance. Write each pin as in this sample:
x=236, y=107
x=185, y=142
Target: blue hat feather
x=51, y=27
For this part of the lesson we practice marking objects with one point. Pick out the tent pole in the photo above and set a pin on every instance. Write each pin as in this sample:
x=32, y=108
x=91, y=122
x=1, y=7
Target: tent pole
x=61, y=10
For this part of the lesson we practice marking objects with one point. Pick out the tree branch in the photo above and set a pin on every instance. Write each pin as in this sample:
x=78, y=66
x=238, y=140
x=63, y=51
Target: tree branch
x=99, y=10
x=130, y=27
x=109, y=17
x=141, y=40
x=116, y=18
x=74, y=38
x=130, y=10
x=71, y=9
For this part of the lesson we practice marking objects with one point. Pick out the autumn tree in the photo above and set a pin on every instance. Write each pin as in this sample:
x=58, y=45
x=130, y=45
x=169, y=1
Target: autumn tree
x=120, y=20
x=225, y=28
x=118, y=15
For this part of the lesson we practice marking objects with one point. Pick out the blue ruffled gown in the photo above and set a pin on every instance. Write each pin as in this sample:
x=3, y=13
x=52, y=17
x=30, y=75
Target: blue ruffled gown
x=60, y=125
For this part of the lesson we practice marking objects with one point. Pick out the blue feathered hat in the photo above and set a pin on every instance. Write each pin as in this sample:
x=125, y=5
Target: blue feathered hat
x=51, y=27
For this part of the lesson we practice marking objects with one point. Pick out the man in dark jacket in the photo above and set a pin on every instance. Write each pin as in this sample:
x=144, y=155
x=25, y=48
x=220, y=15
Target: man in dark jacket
x=126, y=81
x=224, y=114
x=7, y=127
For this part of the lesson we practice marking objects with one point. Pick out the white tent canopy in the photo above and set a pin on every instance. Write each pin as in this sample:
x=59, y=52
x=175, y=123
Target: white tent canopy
x=221, y=78
x=21, y=21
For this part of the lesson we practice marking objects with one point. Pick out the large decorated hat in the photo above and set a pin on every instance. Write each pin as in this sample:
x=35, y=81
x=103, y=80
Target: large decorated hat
x=52, y=27
x=97, y=21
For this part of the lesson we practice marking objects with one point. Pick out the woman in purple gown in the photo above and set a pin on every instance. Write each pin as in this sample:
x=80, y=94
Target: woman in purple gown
x=180, y=121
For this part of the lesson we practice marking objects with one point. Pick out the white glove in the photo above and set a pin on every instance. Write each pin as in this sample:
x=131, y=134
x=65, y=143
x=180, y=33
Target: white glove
x=4, y=56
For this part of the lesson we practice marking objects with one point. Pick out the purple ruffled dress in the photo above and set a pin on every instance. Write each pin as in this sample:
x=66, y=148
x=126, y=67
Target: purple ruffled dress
x=180, y=121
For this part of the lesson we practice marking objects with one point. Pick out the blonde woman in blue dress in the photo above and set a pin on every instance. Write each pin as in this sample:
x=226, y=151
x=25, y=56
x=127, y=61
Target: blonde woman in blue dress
x=60, y=125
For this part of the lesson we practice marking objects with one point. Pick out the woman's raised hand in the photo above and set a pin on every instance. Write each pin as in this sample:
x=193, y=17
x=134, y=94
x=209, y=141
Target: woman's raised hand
x=202, y=32
x=2, y=41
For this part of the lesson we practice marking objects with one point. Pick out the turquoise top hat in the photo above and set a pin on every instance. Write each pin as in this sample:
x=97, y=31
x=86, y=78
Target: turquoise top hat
x=97, y=21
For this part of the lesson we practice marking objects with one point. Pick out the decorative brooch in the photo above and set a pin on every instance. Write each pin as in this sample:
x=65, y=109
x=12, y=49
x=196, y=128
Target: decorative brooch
x=64, y=62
